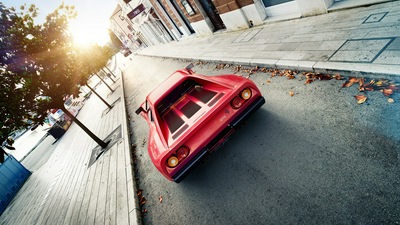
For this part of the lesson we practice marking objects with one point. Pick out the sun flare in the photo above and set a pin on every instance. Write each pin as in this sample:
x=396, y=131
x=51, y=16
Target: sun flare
x=88, y=32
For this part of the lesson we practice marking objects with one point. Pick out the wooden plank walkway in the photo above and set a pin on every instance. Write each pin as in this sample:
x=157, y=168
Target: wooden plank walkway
x=66, y=191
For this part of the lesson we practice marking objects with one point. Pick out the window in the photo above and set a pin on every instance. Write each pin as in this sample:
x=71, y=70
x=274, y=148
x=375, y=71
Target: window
x=202, y=94
x=190, y=108
x=173, y=121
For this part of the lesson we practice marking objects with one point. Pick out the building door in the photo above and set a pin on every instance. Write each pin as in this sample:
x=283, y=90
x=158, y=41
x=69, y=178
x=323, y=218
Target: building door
x=183, y=17
x=213, y=14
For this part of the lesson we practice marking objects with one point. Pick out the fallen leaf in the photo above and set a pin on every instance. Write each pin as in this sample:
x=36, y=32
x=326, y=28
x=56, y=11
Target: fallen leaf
x=361, y=82
x=324, y=76
x=337, y=76
x=370, y=83
x=255, y=69
x=353, y=80
x=268, y=81
x=291, y=93
x=369, y=89
x=142, y=200
x=392, y=87
x=160, y=199
x=309, y=81
x=347, y=84
x=381, y=83
x=390, y=100
x=360, y=98
x=290, y=76
x=309, y=75
x=387, y=92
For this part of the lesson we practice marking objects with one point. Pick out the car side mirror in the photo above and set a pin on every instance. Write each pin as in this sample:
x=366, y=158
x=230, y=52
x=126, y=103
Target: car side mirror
x=139, y=110
x=189, y=68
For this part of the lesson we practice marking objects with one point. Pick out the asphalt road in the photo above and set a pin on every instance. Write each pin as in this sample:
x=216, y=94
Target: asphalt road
x=316, y=157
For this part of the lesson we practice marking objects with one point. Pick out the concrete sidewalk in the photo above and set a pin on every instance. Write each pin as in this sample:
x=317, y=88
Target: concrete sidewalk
x=363, y=39
x=66, y=190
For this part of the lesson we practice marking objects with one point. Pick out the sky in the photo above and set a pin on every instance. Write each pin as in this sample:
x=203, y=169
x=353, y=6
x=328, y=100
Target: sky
x=91, y=23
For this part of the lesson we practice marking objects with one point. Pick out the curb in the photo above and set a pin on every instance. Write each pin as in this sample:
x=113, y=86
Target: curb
x=346, y=69
x=136, y=211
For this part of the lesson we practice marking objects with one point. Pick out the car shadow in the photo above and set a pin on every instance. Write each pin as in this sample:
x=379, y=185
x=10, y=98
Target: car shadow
x=279, y=170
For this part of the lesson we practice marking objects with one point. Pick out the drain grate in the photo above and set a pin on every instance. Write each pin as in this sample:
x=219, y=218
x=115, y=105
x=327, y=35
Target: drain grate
x=375, y=18
x=112, y=138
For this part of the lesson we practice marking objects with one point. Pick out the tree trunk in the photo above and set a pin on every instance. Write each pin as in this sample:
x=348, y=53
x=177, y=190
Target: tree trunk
x=107, y=75
x=108, y=105
x=105, y=83
x=84, y=128
x=110, y=71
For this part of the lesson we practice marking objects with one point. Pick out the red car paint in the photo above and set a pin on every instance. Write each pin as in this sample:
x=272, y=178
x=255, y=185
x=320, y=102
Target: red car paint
x=194, y=112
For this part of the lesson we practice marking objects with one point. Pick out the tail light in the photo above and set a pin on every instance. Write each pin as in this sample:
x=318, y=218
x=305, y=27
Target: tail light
x=238, y=101
x=181, y=154
x=246, y=94
x=172, y=161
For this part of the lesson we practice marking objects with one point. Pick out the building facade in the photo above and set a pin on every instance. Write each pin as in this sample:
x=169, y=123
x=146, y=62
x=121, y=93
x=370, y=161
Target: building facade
x=162, y=21
x=123, y=29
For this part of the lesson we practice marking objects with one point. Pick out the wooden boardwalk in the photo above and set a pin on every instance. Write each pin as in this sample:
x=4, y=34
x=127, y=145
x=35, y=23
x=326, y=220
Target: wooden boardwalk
x=66, y=191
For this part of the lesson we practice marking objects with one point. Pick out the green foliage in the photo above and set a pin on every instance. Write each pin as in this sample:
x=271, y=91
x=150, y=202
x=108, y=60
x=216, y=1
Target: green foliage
x=18, y=80
x=39, y=65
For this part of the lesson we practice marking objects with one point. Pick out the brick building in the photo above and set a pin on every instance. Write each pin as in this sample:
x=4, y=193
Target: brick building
x=162, y=21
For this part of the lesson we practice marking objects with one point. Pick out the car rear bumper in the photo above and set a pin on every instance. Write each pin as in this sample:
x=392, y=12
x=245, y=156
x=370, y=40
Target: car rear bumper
x=250, y=110
x=178, y=177
x=220, y=138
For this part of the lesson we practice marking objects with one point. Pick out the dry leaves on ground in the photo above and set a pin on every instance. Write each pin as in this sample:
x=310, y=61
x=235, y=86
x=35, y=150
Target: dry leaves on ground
x=388, y=88
x=360, y=98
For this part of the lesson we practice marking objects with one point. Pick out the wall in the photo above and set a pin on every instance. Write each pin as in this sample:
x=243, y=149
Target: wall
x=312, y=7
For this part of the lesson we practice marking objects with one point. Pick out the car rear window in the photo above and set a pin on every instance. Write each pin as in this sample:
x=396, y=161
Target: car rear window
x=174, y=95
x=188, y=106
x=202, y=94
x=173, y=121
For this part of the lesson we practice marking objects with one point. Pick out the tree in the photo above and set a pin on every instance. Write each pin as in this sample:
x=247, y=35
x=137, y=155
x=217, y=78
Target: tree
x=116, y=43
x=41, y=65
x=61, y=69
x=89, y=64
x=18, y=80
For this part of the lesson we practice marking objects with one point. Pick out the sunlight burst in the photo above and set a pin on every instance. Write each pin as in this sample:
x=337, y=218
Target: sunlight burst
x=86, y=32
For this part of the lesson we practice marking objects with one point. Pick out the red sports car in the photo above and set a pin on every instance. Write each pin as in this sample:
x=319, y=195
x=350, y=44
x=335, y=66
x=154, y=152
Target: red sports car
x=191, y=115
